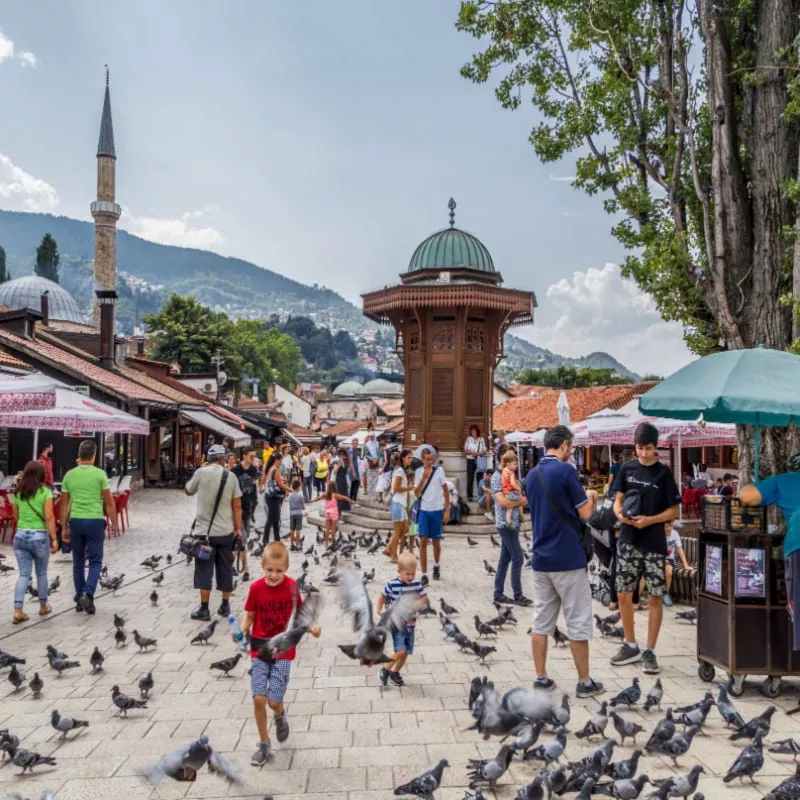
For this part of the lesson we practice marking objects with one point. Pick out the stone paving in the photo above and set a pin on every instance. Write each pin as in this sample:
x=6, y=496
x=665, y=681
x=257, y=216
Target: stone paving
x=348, y=739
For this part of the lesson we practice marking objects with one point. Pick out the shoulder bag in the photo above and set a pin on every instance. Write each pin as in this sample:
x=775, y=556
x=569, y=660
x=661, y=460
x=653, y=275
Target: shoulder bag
x=272, y=488
x=580, y=528
x=198, y=546
x=632, y=501
x=417, y=504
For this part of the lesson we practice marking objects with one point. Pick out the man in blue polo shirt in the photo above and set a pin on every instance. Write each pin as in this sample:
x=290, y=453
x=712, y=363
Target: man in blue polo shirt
x=558, y=503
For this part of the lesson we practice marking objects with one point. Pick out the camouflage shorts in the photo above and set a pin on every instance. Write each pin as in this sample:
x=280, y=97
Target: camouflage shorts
x=632, y=563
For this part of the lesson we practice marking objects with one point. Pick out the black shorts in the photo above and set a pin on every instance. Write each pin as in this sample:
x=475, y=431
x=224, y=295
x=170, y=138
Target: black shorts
x=221, y=561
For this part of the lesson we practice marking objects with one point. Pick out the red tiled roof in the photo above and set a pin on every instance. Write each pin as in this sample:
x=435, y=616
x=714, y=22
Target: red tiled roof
x=523, y=390
x=533, y=413
x=301, y=432
x=344, y=428
x=390, y=407
x=153, y=382
x=395, y=426
x=7, y=360
x=83, y=366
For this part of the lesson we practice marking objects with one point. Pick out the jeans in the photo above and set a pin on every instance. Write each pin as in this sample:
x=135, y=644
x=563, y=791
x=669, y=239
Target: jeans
x=510, y=553
x=32, y=548
x=355, y=485
x=273, y=518
x=308, y=483
x=470, y=477
x=88, y=537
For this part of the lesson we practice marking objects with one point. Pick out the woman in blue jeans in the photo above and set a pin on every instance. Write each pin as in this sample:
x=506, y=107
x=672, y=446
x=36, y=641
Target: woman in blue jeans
x=35, y=538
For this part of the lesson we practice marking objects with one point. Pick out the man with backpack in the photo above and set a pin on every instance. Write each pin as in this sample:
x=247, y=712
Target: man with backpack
x=645, y=497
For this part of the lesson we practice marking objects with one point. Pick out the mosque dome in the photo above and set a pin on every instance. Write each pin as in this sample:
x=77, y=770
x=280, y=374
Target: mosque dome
x=452, y=248
x=348, y=388
x=380, y=386
x=27, y=291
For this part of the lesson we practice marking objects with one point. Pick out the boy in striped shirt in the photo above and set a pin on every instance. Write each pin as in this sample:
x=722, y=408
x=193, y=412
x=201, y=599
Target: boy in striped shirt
x=404, y=583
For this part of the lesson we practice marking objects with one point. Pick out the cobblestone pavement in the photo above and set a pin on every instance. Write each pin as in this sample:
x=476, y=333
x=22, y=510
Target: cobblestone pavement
x=348, y=740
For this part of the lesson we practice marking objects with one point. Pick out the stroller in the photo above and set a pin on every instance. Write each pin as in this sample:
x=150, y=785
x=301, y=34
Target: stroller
x=600, y=580
x=601, y=527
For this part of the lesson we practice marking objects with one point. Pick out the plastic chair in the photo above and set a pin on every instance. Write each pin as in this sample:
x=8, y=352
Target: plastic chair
x=113, y=484
x=124, y=484
x=122, y=508
x=7, y=522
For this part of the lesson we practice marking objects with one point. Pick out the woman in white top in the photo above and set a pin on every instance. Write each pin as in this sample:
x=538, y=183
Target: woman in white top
x=398, y=506
x=475, y=452
x=309, y=468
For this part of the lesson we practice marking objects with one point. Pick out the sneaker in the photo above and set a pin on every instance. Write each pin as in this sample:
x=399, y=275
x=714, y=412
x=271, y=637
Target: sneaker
x=261, y=755
x=79, y=607
x=224, y=609
x=649, y=663
x=282, y=727
x=424, y=580
x=397, y=679
x=626, y=655
x=506, y=601
x=245, y=577
x=584, y=690
x=489, y=516
x=523, y=601
x=202, y=614
x=545, y=684
x=87, y=604
x=383, y=676
x=667, y=600
x=436, y=573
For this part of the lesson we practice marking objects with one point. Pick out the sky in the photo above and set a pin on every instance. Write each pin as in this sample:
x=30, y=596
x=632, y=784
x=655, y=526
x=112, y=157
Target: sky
x=319, y=139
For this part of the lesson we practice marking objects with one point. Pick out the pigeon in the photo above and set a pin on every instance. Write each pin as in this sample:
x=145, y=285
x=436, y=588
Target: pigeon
x=124, y=703
x=471, y=542
x=146, y=685
x=687, y=616
x=119, y=622
x=475, y=688
x=488, y=771
x=623, y=770
x=226, y=665
x=549, y=751
x=143, y=641
x=493, y=540
x=8, y=742
x=476, y=795
x=759, y=723
x=159, y=579
x=491, y=717
x=54, y=585
x=120, y=637
x=5, y=568
x=15, y=677
x=628, y=789
x=560, y=715
x=154, y=597
x=748, y=762
x=662, y=732
x=789, y=746
x=612, y=619
x=482, y=651
x=694, y=706
x=683, y=785
x=6, y=659
x=727, y=710
x=596, y=724
x=561, y=639
x=602, y=755
x=66, y=724
x=372, y=635
x=184, y=764
x=678, y=745
x=52, y=652
x=696, y=716
x=36, y=685
x=61, y=664
x=169, y=558
x=489, y=568
x=447, y=609
x=206, y=633
x=27, y=760
x=654, y=696
x=527, y=737
x=462, y=640
x=787, y=789
x=298, y=625
x=625, y=728
x=484, y=629
x=96, y=660
x=627, y=697
x=426, y=784
x=115, y=583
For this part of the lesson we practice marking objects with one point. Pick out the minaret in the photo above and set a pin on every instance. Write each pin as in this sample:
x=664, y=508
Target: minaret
x=105, y=210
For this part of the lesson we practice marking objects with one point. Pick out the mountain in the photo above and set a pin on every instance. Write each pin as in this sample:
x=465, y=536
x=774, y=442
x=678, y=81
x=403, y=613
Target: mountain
x=149, y=272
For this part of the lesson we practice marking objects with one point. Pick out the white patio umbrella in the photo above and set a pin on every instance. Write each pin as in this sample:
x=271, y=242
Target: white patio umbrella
x=563, y=409
x=33, y=392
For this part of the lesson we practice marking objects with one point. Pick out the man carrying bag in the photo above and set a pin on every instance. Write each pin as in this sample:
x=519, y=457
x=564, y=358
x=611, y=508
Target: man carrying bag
x=218, y=517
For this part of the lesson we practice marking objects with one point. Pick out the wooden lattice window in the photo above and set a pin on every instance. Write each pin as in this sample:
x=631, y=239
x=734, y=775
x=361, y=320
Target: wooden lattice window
x=474, y=340
x=474, y=392
x=443, y=337
x=414, y=394
x=413, y=338
x=442, y=392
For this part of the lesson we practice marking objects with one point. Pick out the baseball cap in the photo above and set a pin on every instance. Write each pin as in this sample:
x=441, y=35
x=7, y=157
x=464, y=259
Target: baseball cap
x=215, y=451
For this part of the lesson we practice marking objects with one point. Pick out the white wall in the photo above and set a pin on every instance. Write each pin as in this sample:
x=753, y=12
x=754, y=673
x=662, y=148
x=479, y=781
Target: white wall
x=297, y=410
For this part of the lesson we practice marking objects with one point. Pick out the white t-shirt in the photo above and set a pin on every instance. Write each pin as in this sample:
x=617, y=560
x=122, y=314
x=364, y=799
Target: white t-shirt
x=308, y=465
x=433, y=497
x=400, y=497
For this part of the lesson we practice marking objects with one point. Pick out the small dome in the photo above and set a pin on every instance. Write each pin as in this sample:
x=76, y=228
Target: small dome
x=451, y=248
x=348, y=388
x=381, y=386
x=27, y=291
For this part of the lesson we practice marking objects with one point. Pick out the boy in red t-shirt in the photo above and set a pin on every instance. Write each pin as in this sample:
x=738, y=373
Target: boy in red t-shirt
x=269, y=606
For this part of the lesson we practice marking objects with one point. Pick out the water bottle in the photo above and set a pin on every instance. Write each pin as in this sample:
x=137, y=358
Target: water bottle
x=236, y=631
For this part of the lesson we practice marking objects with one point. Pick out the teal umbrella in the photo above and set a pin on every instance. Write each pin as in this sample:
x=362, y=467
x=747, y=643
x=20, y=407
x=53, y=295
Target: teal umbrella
x=749, y=387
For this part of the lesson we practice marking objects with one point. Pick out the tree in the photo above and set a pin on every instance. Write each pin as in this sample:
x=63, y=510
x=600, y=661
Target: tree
x=565, y=377
x=3, y=269
x=265, y=353
x=47, y=259
x=684, y=119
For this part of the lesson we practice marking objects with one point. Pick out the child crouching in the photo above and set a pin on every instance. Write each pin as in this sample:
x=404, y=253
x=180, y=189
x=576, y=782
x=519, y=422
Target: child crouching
x=269, y=606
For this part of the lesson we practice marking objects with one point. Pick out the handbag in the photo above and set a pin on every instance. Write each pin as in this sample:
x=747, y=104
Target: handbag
x=197, y=546
x=632, y=501
x=272, y=488
x=583, y=531
x=417, y=504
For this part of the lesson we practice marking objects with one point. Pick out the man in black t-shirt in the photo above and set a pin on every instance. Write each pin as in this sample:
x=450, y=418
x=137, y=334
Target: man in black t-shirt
x=246, y=473
x=645, y=497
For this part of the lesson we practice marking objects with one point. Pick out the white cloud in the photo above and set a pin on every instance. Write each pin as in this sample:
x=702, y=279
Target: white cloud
x=28, y=59
x=6, y=47
x=20, y=191
x=562, y=178
x=600, y=310
x=182, y=231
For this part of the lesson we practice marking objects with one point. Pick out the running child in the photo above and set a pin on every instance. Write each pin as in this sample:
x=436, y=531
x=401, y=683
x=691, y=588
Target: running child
x=332, y=512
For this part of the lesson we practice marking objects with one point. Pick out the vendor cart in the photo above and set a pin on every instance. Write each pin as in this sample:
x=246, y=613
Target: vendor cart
x=743, y=625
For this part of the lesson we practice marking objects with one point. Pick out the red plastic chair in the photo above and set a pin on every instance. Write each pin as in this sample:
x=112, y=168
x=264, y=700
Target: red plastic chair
x=127, y=495
x=7, y=522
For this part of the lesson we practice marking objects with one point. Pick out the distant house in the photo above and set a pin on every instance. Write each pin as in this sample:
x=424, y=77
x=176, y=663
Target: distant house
x=297, y=409
x=203, y=382
x=500, y=394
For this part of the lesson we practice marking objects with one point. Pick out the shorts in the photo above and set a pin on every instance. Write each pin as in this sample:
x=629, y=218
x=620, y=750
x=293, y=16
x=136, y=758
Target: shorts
x=671, y=561
x=632, y=562
x=296, y=522
x=403, y=640
x=568, y=592
x=430, y=524
x=269, y=680
x=332, y=515
x=221, y=563
x=398, y=512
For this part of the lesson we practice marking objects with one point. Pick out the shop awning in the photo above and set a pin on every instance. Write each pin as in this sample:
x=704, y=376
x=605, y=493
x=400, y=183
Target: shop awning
x=212, y=423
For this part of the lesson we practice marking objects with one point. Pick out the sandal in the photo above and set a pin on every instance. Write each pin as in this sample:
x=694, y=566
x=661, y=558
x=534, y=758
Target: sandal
x=19, y=616
x=45, y=609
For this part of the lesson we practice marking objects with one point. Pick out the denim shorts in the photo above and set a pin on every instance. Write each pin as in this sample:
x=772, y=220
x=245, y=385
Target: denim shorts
x=270, y=680
x=398, y=512
x=403, y=640
x=295, y=522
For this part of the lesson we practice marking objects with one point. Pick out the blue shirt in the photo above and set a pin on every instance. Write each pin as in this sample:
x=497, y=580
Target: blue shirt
x=503, y=515
x=784, y=491
x=557, y=546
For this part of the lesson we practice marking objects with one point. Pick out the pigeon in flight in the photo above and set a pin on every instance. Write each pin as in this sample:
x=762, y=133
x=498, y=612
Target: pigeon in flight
x=184, y=764
x=299, y=623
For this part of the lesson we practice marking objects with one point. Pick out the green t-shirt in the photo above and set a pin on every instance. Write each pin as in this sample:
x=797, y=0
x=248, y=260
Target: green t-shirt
x=29, y=520
x=85, y=485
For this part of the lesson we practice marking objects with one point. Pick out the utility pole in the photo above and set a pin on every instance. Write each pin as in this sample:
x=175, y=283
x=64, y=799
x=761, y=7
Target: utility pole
x=218, y=361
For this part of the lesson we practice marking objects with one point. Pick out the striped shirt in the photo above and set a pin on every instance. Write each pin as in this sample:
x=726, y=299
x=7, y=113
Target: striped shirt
x=396, y=587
